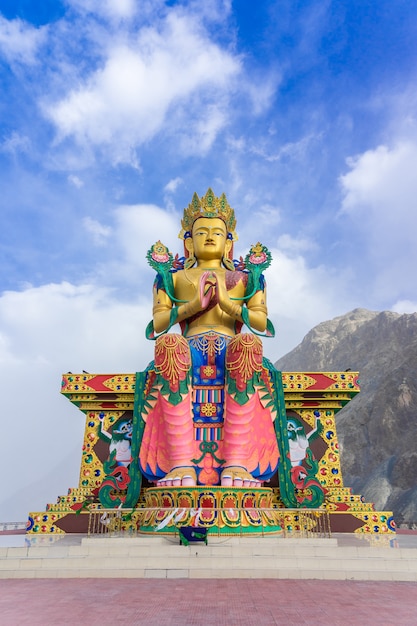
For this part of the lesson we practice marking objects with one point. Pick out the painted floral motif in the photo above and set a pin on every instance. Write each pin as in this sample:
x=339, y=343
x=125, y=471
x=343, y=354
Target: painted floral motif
x=258, y=257
x=159, y=257
x=160, y=253
x=208, y=371
x=208, y=409
x=257, y=254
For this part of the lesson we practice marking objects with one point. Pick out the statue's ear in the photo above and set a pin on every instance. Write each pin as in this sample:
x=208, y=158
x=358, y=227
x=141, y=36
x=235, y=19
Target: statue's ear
x=228, y=263
x=190, y=260
x=188, y=243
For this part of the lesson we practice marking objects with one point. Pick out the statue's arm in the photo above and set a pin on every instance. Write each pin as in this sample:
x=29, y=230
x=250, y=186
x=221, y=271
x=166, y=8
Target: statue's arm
x=257, y=311
x=161, y=312
x=165, y=313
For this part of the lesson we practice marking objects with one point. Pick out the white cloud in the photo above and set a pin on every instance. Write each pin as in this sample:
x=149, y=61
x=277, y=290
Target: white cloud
x=47, y=331
x=405, y=306
x=173, y=184
x=262, y=89
x=99, y=232
x=266, y=217
x=382, y=183
x=295, y=245
x=138, y=227
x=76, y=181
x=380, y=193
x=295, y=150
x=169, y=189
x=110, y=9
x=134, y=230
x=19, y=41
x=203, y=128
x=175, y=69
x=42, y=323
x=16, y=143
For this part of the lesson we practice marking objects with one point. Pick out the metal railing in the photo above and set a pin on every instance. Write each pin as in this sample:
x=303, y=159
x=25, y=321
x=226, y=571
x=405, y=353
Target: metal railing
x=289, y=523
x=12, y=526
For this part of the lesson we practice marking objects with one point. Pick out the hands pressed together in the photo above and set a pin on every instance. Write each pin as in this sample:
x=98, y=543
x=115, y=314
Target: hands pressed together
x=212, y=290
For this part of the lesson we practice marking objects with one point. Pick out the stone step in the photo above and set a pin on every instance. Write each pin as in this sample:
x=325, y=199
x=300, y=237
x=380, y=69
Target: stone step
x=234, y=557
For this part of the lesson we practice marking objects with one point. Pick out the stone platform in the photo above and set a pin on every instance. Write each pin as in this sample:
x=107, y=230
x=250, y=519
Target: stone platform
x=341, y=557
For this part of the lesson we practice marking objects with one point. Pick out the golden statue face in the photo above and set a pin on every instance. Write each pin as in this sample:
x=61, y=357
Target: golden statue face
x=209, y=237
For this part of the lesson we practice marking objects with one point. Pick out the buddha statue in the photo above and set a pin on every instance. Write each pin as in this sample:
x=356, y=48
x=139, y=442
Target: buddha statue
x=208, y=405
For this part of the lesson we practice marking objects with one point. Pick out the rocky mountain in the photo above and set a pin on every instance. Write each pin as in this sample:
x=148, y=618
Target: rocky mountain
x=377, y=430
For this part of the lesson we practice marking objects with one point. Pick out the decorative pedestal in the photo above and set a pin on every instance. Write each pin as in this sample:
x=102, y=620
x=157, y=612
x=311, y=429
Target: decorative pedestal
x=311, y=399
x=225, y=510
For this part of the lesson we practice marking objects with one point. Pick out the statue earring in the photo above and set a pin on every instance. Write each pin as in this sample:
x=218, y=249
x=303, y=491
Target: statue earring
x=190, y=261
x=228, y=263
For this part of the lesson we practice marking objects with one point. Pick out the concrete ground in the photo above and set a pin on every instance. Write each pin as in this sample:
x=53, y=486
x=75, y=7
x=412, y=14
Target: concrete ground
x=187, y=602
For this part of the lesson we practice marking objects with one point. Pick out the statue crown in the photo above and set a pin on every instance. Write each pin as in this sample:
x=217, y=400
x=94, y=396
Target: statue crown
x=208, y=206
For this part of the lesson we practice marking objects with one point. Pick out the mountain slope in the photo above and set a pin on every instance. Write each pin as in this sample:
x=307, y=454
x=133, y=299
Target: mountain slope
x=378, y=429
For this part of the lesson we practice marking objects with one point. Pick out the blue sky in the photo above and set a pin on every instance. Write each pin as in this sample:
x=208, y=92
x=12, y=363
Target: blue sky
x=113, y=112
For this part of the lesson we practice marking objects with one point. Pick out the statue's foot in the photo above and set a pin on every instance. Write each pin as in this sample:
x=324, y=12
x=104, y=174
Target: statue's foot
x=238, y=477
x=179, y=476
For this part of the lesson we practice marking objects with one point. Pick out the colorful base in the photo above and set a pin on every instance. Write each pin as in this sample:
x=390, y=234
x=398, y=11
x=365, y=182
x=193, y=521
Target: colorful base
x=346, y=513
x=312, y=400
x=225, y=510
